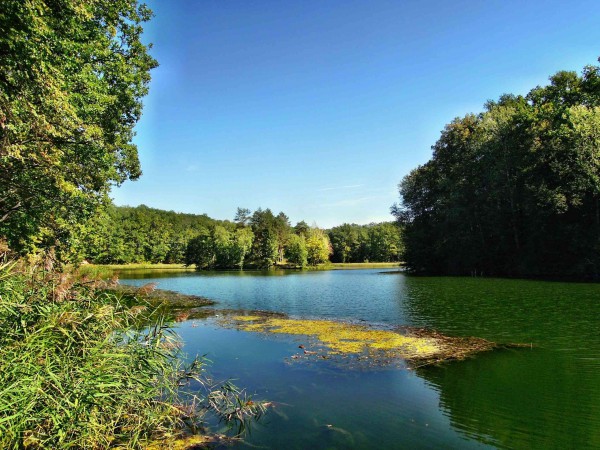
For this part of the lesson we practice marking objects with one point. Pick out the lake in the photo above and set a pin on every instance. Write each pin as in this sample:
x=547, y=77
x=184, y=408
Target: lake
x=546, y=396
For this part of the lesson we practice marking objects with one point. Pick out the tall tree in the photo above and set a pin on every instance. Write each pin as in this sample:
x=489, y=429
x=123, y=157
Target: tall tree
x=265, y=249
x=242, y=217
x=283, y=231
x=513, y=190
x=72, y=76
x=301, y=228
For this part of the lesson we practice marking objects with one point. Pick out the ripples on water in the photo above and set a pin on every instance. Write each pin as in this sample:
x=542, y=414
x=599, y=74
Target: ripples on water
x=544, y=397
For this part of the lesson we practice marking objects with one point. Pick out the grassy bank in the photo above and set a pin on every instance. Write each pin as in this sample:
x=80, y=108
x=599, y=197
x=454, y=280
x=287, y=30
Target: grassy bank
x=107, y=270
x=82, y=368
x=143, y=266
x=366, y=265
x=160, y=297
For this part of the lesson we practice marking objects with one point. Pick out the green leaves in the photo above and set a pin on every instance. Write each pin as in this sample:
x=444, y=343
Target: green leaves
x=376, y=242
x=72, y=75
x=318, y=247
x=513, y=190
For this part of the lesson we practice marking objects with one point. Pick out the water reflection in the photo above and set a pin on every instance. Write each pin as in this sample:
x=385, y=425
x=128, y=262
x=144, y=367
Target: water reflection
x=544, y=397
x=323, y=406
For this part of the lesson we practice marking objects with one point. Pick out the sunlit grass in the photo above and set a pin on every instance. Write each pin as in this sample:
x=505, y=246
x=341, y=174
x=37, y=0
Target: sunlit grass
x=108, y=270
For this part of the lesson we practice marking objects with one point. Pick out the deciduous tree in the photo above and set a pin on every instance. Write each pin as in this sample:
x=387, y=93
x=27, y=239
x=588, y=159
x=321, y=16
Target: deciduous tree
x=72, y=76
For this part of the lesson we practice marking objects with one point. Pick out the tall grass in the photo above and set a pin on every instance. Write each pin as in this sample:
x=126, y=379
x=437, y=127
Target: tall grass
x=78, y=371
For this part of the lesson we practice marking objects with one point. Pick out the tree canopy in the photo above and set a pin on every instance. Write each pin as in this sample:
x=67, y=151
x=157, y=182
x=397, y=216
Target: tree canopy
x=376, y=242
x=514, y=190
x=124, y=234
x=72, y=76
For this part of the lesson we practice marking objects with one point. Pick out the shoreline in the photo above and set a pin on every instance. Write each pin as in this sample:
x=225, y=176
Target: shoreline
x=183, y=268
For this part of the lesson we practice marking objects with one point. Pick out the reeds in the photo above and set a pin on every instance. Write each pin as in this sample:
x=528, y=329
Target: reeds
x=78, y=371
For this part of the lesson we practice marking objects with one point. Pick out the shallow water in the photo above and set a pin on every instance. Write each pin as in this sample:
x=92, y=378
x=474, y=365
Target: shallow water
x=544, y=397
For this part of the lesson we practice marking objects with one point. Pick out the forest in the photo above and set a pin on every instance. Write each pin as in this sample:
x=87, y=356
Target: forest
x=259, y=239
x=513, y=190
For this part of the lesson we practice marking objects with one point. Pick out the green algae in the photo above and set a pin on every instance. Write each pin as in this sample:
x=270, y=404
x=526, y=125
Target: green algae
x=417, y=346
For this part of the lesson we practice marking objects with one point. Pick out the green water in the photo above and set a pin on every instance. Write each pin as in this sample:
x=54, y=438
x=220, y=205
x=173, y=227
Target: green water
x=546, y=396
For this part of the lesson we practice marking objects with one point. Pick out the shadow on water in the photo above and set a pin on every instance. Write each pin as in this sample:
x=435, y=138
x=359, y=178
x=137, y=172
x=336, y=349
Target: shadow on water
x=546, y=397
x=145, y=274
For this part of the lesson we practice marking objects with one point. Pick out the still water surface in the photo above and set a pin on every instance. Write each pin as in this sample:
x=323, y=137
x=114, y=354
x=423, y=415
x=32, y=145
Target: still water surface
x=544, y=397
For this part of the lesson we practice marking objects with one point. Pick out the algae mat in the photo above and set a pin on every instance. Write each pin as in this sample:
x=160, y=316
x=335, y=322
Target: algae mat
x=415, y=346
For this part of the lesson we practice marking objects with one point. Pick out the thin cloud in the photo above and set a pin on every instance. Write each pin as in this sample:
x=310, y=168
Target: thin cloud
x=351, y=186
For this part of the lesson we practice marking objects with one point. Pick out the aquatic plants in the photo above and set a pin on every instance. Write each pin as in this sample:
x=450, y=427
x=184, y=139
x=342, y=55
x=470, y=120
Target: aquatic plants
x=416, y=346
x=81, y=369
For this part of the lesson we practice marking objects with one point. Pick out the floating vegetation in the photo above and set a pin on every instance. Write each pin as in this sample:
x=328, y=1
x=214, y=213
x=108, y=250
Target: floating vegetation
x=331, y=339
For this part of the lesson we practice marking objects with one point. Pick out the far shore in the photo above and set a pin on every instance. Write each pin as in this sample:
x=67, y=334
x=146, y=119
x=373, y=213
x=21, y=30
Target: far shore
x=365, y=265
x=183, y=267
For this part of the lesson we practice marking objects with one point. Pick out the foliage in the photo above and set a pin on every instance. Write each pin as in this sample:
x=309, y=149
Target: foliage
x=242, y=217
x=72, y=75
x=201, y=251
x=125, y=235
x=296, y=252
x=219, y=247
x=514, y=190
x=265, y=241
x=380, y=242
x=80, y=369
x=122, y=234
x=268, y=231
x=318, y=247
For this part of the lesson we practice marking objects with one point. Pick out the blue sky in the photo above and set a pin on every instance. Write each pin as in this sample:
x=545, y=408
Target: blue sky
x=318, y=108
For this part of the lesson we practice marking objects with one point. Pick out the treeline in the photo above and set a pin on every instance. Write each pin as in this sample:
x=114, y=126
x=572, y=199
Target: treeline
x=376, y=242
x=260, y=239
x=514, y=190
x=123, y=234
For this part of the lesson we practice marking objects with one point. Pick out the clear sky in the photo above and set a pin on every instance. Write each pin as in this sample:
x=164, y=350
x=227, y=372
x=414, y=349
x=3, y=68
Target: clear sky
x=318, y=108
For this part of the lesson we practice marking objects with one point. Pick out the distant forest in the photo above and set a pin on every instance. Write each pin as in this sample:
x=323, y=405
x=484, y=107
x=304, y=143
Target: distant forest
x=260, y=239
x=514, y=190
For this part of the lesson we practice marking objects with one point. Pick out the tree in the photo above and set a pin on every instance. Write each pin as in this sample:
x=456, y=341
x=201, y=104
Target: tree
x=230, y=247
x=376, y=242
x=385, y=242
x=283, y=231
x=201, y=251
x=345, y=242
x=513, y=190
x=318, y=247
x=301, y=228
x=242, y=244
x=296, y=252
x=242, y=217
x=265, y=249
x=72, y=76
